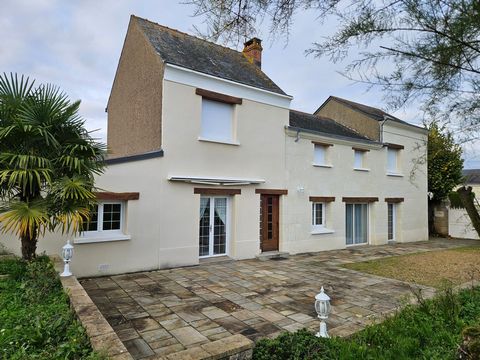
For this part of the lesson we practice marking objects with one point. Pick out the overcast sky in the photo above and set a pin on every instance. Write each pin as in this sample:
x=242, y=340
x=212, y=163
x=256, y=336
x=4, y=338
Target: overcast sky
x=76, y=45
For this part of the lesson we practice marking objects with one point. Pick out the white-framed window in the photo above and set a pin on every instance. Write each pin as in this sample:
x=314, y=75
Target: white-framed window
x=106, y=218
x=392, y=160
x=359, y=159
x=318, y=215
x=217, y=121
x=320, y=155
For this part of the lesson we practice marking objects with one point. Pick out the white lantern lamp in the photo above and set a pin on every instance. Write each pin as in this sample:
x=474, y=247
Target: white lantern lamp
x=322, y=307
x=67, y=254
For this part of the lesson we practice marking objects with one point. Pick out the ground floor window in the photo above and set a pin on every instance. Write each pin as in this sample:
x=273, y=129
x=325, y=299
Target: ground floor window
x=106, y=217
x=391, y=218
x=213, y=227
x=318, y=215
x=356, y=224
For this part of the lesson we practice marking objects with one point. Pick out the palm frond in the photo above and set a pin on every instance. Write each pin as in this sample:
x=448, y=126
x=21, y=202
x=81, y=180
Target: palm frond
x=24, y=218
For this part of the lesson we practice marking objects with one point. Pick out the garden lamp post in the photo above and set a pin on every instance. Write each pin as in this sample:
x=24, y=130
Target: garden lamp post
x=322, y=307
x=67, y=254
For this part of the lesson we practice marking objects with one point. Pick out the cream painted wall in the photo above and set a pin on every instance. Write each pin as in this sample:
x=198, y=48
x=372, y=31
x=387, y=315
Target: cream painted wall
x=341, y=180
x=163, y=223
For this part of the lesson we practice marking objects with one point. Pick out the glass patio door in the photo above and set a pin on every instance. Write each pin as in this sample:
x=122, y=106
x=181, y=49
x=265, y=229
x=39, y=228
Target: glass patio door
x=213, y=226
x=356, y=224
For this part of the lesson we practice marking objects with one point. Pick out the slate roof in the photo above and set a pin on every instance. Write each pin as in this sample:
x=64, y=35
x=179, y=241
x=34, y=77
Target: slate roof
x=472, y=176
x=374, y=113
x=187, y=51
x=322, y=124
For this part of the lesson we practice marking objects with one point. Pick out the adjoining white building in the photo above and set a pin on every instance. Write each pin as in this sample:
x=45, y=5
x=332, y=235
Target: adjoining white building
x=207, y=159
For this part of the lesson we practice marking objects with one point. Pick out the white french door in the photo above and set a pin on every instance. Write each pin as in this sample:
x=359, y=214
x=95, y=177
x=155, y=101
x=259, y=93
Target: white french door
x=213, y=229
x=356, y=219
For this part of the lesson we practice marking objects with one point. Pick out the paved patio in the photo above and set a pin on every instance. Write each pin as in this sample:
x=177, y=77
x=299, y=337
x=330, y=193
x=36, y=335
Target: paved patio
x=166, y=311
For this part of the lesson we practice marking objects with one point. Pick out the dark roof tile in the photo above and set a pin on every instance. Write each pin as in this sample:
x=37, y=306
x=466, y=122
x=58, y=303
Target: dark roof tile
x=472, y=176
x=190, y=52
x=322, y=124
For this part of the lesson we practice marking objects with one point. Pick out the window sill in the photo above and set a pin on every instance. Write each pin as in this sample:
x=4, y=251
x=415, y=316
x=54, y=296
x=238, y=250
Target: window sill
x=322, y=165
x=361, y=169
x=101, y=238
x=322, y=231
x=235, y=143
x=394, y=174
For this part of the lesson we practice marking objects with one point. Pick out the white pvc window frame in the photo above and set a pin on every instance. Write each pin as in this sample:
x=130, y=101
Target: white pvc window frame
x=315, y=208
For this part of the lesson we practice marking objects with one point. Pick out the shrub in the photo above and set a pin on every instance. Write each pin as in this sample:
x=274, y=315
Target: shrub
x=430, y=330
x=36, y=321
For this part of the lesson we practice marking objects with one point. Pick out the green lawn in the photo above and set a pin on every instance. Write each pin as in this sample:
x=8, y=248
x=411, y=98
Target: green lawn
x=431, y=330
x=36, y=321
x=433, y=268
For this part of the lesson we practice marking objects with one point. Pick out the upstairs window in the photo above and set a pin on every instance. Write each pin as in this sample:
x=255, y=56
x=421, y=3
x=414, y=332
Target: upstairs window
x=359, y=159
x=217, y=121
x=392, y=160
x=319, y=155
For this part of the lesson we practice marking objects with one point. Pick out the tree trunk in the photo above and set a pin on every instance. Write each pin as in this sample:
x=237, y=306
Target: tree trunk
x=29, y=247
x=466, y=196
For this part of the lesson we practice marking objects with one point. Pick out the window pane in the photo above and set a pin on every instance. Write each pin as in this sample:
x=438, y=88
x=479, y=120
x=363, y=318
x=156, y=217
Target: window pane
x=358, y=161
x=392, y=160
x=319, y=155
x=204, y=235
x=111, y=216
x=216, y=120
x=349, y=223
x=391, y=220
x=92, y=223
x=317, y=213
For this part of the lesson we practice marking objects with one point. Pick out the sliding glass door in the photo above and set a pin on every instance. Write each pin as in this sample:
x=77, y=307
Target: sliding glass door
x=213, y=226
x=356, y=224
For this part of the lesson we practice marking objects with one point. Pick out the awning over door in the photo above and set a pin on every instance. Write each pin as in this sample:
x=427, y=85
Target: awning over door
x=215, y=180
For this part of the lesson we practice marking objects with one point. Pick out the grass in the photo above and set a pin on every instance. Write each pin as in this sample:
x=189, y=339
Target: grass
x=434, y=268
x=36, y=321
x=431, y=330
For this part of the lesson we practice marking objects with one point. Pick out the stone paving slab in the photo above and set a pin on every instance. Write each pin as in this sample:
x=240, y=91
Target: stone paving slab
x=201, y=312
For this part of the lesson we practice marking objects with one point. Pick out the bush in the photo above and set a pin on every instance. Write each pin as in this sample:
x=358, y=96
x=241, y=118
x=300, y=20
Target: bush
x=430, y=330
x=36, y=321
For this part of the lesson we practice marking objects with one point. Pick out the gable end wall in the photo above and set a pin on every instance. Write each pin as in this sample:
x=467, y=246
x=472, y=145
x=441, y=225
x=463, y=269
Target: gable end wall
x=351, y=118
x=135, y=104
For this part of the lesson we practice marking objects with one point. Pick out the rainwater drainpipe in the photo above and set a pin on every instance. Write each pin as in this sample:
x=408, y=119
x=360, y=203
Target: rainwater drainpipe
x=385, y=119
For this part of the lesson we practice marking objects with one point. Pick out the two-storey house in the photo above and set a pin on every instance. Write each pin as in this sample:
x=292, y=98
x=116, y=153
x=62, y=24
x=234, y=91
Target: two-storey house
x=208, y=160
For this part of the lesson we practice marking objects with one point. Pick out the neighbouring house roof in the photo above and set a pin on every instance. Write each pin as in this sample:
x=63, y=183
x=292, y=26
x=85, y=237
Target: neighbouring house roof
x=372, y=112
x=322, y=124
x=187, y=51
x=472, y=176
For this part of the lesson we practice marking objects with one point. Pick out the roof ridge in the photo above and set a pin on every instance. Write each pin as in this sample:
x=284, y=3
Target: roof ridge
x=357, y=103
x=185, y=33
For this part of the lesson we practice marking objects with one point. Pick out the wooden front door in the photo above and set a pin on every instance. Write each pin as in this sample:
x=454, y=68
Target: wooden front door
x=269, y=216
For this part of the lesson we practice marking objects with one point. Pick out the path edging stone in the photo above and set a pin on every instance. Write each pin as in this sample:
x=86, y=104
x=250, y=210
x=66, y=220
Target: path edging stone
x=102, y=336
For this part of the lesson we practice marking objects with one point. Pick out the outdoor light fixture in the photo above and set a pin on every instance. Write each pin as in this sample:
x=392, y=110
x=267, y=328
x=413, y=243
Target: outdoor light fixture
x=322, y=307
x=67, y=254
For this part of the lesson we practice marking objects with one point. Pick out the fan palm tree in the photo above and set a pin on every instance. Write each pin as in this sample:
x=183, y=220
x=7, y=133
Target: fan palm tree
x=48, y=161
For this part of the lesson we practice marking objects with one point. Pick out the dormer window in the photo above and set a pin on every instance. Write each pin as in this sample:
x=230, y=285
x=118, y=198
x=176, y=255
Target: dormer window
x=217, y=119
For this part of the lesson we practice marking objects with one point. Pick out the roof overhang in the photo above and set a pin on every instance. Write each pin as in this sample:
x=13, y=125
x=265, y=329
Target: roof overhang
x=215, y=180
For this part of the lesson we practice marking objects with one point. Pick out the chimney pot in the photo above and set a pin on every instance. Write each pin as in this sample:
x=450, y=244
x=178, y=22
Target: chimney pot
x=253, y=51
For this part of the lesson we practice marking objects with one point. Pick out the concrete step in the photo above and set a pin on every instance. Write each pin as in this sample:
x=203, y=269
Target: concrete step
x=273, y=255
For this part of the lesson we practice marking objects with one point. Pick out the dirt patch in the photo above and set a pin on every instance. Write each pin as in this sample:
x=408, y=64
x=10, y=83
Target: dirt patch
x=435, y=268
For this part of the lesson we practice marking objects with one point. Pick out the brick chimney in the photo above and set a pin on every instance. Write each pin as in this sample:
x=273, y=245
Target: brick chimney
x=253, y=51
